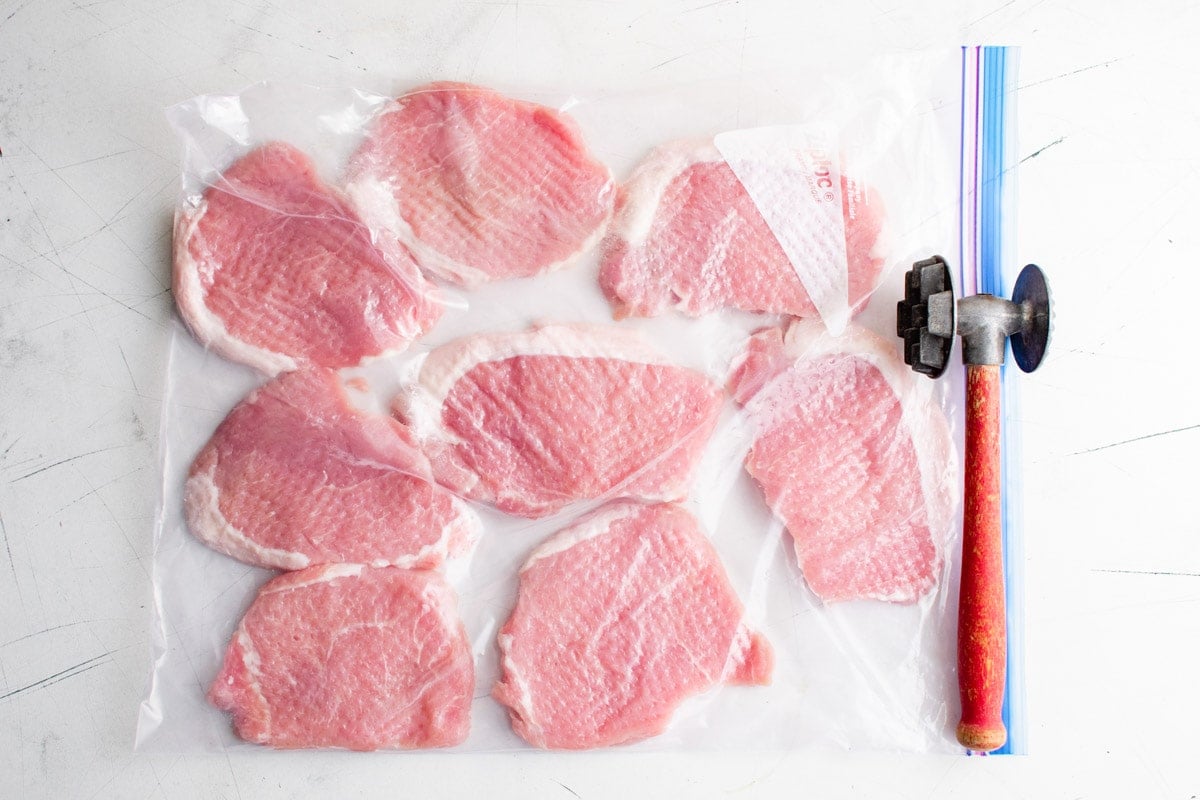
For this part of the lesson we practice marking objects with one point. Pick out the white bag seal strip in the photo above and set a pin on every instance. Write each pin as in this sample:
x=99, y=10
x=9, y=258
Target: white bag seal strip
x=791, y=173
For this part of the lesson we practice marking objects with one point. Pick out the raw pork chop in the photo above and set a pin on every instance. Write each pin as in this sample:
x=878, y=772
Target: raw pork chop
x=274, y=269
x=534, y=421
x=344, y=655
x=855, y=459
x=295, y=476
x=619, y=619
x=687, y=236
x=480, y=186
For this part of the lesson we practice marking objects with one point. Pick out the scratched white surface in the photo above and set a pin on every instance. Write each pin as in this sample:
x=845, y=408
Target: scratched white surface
x=1110, y=125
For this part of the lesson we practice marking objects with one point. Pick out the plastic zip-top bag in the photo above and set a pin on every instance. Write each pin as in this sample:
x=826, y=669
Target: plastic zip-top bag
x=499, y=420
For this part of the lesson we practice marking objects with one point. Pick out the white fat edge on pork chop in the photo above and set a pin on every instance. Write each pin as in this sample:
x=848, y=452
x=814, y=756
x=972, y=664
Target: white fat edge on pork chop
x=253, y=664
x=207, y=327
x=324, y=574
x=511, y=676
x=208, y=524
x=374, y=201
x=595, y=524
x=445, y=366
x=646, y=187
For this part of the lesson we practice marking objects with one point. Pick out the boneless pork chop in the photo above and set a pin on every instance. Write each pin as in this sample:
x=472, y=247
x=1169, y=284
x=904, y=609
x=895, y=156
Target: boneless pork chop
x=536, y=420
x=274, y=269
x=687, y=236
x=853, y=457
x=350, y=656
x=619, y=619
x=480, y=186
x=296, y=475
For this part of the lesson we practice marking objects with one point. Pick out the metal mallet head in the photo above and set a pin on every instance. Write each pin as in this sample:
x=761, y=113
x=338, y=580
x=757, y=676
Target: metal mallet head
x=928, y=319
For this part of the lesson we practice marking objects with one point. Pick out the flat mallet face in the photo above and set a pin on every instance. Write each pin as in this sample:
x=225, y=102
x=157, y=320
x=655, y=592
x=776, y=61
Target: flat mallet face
x=1032, y=296
x=927, y=319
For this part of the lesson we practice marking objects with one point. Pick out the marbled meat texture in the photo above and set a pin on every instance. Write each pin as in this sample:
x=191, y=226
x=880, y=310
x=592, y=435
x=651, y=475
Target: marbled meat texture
x=619, y=619
x=296, y=475
x=274, y=269
x=534, y=421
x=350, y=656
x=480, y=186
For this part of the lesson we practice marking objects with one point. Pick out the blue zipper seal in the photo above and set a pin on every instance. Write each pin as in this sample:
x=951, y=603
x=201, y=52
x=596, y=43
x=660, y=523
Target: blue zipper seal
x=988, y=160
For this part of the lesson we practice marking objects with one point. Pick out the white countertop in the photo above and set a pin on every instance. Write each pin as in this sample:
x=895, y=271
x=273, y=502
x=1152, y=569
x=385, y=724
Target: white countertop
x=1109, y=130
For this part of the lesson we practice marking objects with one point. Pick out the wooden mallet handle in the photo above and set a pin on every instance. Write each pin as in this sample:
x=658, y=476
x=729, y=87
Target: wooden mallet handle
x=982, y=640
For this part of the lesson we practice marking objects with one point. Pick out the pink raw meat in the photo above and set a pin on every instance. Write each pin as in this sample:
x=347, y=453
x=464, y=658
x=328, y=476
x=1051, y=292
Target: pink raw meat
x=534, y=421
x=855, y=459
x=274, y=269
x=479, y=186
x=619, y=619
x=688, y=237
x=295, y=476
x=350, y=656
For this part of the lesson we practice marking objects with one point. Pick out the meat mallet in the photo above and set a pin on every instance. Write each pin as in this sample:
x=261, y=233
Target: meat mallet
x=928, y=319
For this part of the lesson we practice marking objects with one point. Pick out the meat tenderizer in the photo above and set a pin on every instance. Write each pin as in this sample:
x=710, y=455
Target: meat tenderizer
x=928, y=319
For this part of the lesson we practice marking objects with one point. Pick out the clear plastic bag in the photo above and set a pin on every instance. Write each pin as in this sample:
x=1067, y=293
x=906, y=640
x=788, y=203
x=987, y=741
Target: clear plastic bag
x=859, y=674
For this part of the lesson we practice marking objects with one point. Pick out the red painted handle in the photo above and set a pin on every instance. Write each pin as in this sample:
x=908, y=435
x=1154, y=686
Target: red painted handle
x=981, y=628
